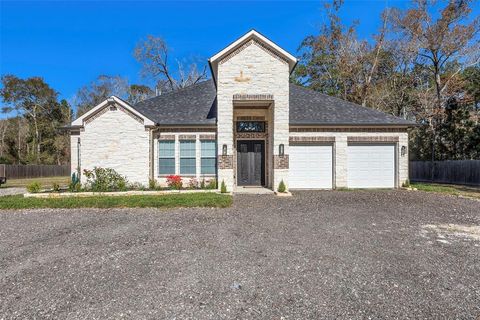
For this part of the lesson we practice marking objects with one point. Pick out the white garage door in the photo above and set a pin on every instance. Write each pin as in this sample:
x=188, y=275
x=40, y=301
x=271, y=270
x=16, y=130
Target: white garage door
x=371, y=166
x=310, y=167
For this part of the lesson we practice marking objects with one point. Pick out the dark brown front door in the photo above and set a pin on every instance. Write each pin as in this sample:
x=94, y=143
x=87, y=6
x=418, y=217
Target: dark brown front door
x=251, y=163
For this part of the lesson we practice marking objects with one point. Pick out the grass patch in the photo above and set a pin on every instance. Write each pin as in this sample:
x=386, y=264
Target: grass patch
x=45, y=182
x=448, y=189
x=153, y=201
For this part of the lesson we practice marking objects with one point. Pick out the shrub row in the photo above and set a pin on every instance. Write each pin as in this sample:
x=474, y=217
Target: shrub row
x=108, y=180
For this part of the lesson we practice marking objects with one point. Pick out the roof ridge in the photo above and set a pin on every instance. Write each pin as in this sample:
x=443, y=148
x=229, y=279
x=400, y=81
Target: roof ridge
x=169, y=93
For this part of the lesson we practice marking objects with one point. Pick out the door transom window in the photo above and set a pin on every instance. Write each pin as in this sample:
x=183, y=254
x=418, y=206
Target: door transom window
x=250, y=126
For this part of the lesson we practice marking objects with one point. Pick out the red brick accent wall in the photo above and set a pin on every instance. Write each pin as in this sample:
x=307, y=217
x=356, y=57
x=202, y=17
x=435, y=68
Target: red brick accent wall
x=312, y=139
x=372, y=139
x=187, y=137
x=225, y=162
x=299, y=129
x=208, y=129
x=251, y=135
x=281, y=162
x=166, y=137
x=207, y=137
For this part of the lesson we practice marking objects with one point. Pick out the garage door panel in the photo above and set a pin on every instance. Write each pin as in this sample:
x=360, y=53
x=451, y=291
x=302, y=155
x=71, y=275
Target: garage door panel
x=371, y=166
x=310, y=167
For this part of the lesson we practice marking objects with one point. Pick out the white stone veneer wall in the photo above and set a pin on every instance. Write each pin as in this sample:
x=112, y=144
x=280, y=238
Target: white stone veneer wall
x=73, y=152
x=253, y=70
x=114, y=140
x=340, y=152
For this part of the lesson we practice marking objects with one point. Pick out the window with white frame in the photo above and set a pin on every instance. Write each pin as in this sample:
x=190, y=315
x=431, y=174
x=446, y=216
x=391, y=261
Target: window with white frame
x=166, y=157
x=208, y=157
x=187, y=157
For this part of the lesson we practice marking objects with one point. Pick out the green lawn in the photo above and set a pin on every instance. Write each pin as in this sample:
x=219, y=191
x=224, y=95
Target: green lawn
x=157, y=201
x=45, y=182
x=449, y=189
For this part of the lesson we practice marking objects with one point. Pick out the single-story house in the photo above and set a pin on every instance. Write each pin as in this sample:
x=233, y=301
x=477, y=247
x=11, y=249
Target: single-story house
x=247, y=126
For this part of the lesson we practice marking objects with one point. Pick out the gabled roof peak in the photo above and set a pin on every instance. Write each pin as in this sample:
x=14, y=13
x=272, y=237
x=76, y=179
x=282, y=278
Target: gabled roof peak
x=255, y=35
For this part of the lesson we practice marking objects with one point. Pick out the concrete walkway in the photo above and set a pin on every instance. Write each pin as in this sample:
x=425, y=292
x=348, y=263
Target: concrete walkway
x=11, y=191
x=252, y=190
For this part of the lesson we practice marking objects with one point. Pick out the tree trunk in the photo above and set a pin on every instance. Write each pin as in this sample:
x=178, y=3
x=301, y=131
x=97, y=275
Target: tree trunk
x=4, y=130
x=37, y=136
x=438, y=88
x=18, y=140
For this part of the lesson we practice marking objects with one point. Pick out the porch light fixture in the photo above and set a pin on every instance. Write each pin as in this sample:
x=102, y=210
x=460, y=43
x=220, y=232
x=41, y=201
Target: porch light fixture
x=281, y=150
x=403, y=151
x=224, y=150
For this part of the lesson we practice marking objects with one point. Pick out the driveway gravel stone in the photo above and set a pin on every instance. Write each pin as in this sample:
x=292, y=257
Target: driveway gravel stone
x=329, y=254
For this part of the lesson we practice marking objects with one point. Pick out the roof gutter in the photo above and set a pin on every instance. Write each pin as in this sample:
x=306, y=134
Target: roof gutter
x=401, y=125
x=70, y=128
x=179, y=125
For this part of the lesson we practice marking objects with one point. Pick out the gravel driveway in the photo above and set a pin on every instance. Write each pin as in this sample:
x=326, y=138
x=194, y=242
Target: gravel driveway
x=362, y=254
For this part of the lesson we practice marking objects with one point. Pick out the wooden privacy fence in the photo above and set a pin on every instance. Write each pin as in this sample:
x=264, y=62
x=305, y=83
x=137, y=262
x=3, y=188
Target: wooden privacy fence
x=21, y=171
x=465, y=172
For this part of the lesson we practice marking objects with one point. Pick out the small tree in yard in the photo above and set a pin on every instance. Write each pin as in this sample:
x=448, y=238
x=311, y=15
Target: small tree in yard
x=281, y=187
x=223, y=188
x=34, y=187
x=152, y=184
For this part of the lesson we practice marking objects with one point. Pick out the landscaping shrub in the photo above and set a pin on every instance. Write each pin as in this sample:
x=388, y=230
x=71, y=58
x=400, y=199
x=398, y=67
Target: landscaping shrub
x=55, y=187
x=75, y=178
x=202, y=184
x=193, y=183
x=136, y=186
x=281, y=187
x=212, y=184
x=34, y=187
x=152, y=184
x=174, y=182
x=104, y=179
x=74, y=186
x=223, y=188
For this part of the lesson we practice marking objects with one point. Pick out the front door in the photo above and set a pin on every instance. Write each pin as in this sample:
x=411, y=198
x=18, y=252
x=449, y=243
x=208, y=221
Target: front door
x=251, y=163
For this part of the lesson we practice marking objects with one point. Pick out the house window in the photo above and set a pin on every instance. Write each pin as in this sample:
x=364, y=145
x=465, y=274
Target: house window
x=208, y=161
x=187, y=157
x=166, y=155
x=250, y=126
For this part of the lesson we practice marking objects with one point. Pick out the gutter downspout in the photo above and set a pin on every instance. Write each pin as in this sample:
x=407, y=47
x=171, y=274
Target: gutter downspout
x=151, y=151
x=79, y=160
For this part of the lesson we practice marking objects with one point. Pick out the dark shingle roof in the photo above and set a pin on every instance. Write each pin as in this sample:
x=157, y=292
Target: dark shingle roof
x=193, y=105
x=311, y=107
x=197, y=105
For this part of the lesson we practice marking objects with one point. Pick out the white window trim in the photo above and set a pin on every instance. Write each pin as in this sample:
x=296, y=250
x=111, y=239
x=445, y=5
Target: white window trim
x=158, y=159
x=201, y=157
x=198, y=157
